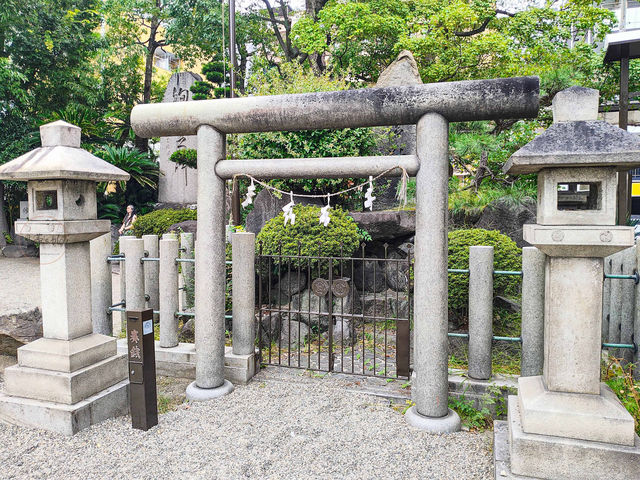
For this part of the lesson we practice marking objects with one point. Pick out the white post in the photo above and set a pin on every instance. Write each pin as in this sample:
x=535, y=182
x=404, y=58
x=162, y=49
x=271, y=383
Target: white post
x=480, y=311
x=123, y=291
x=133, y=249
x=186, y=251
x=168, y=292
x=628, y=303
x=101, y=294
x=636, y=318
x=244, y=292
x=210, y=271
x=615, y=312
x=533, y=268
x=606, y=300
x=151, y=269
x=431, y=389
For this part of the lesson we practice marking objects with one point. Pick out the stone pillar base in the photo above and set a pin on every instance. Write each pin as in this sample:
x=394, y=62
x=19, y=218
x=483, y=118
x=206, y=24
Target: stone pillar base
x=597, y=418
x=66, y=419
x=448, y=424
x=531, y=455
x=197, y=394
x=180, y=362
x=66, y=385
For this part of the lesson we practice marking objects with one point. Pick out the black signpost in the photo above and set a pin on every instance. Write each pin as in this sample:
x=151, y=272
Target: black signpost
x=142, y=369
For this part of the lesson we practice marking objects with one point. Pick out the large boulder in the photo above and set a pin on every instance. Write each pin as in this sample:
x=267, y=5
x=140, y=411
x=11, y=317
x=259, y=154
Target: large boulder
x=19, y=325
x=386, y=225
x=368, y=275
x=294, y=335
x=289, y=284
x=307, y=301
x=399, y=139
x=508, y=217
x=397, y=271
x=188, y=226
x=402, y=71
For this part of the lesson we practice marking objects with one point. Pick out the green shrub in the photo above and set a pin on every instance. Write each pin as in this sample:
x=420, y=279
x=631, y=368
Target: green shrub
x=187, y=157
x=159, y=221
x=338, y=238
x=507, y=256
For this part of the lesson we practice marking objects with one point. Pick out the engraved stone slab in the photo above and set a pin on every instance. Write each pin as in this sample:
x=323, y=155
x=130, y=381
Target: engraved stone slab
x=177, y=184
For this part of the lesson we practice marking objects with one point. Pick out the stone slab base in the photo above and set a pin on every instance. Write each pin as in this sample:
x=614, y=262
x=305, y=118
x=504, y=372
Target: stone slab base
x=558, y=458
x=501, y=458
x=66, y=419
x=180, y=361
x=597, y=418
x=66, y=355
x=63, y=387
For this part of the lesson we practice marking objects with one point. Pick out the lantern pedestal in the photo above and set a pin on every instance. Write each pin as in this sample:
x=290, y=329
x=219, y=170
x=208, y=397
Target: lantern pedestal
x=566, y=424
x=71, y=378
x=547, y=456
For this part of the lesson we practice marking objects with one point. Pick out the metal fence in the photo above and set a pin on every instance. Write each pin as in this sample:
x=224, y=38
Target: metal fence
x=347, y=314
x=329, y=313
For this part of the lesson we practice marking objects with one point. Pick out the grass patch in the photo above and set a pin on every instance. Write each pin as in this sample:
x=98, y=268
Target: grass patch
x=620, y=379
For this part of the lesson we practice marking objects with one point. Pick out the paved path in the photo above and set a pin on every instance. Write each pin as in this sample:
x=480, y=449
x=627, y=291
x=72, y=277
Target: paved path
x=270, y=429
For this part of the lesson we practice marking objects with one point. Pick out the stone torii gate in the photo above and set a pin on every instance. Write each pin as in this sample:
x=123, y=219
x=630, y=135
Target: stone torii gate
x=431, y=107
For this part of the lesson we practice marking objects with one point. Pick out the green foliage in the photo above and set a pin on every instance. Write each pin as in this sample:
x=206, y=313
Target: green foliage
x=473, y=418
x=110, y=211
x=308, y=236
x=139, y=190
x=201, y=90
x=187, y=157
x=621, y=381
x=316, y=143
x=159, y=221
x=468, y=202
x=140, y=166
x=453, y=39
x=507, y=256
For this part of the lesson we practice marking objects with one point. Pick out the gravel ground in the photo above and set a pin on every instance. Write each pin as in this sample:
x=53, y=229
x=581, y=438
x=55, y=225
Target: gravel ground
x=268, y=429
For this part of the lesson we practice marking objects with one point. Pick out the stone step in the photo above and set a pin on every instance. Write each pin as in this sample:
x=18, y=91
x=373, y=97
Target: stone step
x=66, y=419
x=180, y=361
x=64, y=387
x=66, y=356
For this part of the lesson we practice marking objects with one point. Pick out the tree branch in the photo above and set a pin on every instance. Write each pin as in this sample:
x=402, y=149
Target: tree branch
x=475, y=31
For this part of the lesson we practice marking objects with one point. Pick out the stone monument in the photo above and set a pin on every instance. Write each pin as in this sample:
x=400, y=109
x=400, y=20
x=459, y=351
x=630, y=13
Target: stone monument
x=71, y=378
x=177, y=184
x=566, y=424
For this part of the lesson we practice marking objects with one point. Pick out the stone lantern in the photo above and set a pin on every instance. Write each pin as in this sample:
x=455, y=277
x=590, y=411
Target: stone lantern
x=71, y=378
x=566, y=423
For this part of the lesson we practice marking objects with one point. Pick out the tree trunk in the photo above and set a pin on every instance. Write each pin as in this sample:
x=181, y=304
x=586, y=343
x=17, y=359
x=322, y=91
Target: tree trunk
x=4, y=226
x=142, y=144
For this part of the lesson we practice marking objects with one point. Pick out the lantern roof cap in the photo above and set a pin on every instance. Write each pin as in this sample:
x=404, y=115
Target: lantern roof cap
x=60, y=157
x=581, y=142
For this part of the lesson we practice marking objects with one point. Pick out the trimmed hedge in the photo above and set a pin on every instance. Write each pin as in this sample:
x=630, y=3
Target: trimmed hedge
x=159, y=221
x=187, y=157
x=338, y=238
x=507, y=256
